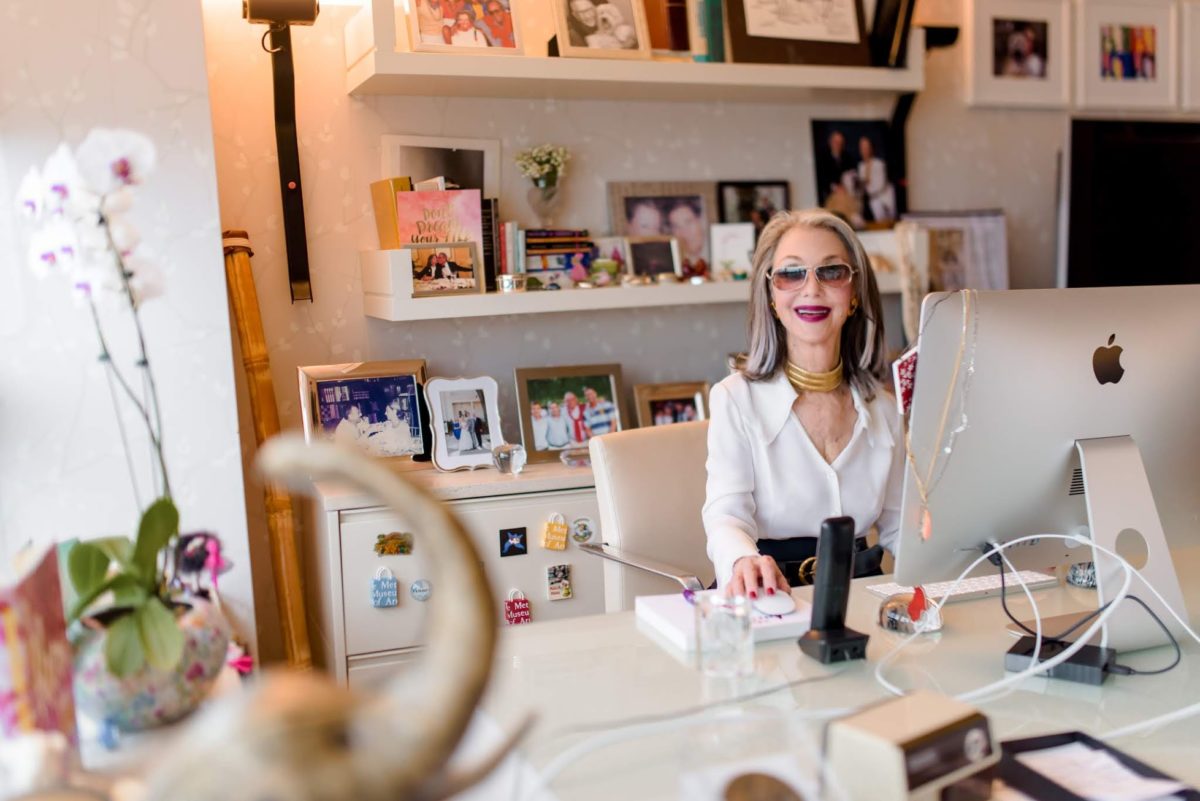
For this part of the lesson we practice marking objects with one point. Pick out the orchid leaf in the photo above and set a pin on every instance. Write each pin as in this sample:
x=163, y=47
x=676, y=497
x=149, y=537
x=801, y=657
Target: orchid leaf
x=159, y=524
x=87, y=564
x=160, y=634
x=123, y=651
x=119, y=549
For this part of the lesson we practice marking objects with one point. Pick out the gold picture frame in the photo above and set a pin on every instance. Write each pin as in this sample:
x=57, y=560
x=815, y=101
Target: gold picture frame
x=386, y=395
x=621, y=32
x=545, y=385
x=652, y=400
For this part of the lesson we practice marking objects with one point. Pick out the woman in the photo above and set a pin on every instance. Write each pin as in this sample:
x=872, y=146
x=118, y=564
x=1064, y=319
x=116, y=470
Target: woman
x=801, y=432
x=464, y=33
x=395, y=437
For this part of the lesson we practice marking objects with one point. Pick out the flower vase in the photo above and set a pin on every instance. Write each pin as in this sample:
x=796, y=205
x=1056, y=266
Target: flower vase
x=151, y=697
x=544, y=199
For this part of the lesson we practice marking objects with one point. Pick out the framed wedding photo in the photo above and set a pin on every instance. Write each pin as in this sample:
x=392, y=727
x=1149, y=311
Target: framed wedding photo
x=487, y=28
x=465, y=418
x=1125, y=54
x=372, y=406
x=664, y=404
x=446, y=268
x=564, y=407
x=609, y=29
x=1018, y=53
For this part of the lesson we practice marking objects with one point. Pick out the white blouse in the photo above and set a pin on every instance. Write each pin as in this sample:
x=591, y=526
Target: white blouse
x=767, y=480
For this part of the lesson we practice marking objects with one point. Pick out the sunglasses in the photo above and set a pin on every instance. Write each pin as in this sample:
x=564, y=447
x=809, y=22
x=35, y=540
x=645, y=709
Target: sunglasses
x=833, y=276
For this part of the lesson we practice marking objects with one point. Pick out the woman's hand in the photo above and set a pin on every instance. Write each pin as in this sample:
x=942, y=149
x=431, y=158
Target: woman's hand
x=751, y=572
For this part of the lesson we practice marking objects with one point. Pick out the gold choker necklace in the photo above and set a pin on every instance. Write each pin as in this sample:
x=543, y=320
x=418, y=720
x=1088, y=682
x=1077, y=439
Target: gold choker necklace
x=805, y=381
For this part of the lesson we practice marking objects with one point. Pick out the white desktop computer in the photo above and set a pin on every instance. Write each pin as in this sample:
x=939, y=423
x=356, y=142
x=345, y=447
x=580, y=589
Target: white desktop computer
x=1060, y=411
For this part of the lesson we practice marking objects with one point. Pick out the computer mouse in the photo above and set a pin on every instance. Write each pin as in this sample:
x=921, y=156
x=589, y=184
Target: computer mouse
x=781, y=603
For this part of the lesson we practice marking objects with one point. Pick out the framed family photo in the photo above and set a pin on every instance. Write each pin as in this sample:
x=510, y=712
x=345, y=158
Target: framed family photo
x=681, y=209
x=753, y=202
x=564, y=407
x=1125, y=54
x=605, y=29
x=465, y=418
x=664, y=404
x=375, y=407
x=1018, y=53
x=447, y=268
x=490, y=27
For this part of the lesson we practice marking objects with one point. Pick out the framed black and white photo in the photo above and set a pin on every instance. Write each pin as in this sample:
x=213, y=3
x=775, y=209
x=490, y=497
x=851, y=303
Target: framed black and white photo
x=372, y=406
x=465, y=421
x=1018, y=53
x=753, y=201
x=652, y=256
x=1125, y=54
x=564, y=407
x=605, y=29
x=680, y=209
x=465, y=163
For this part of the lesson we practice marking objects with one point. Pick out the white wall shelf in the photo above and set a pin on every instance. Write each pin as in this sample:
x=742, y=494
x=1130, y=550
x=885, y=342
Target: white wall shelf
x=387, y=295
x=374, y=66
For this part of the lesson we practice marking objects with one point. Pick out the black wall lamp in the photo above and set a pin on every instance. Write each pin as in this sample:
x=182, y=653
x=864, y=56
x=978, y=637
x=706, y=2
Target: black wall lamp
x=279, y=16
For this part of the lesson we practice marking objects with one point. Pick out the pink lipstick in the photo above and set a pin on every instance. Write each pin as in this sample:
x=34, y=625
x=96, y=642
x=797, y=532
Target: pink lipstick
x=812, y=314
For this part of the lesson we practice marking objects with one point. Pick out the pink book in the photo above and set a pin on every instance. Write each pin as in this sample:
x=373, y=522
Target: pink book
x=454, y=215
x=35, y=656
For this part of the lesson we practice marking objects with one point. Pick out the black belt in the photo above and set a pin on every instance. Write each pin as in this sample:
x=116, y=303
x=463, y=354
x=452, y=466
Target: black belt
x=797, y=558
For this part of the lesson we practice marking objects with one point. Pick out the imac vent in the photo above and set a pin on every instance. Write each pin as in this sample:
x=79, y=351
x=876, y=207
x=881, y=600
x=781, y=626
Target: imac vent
x=1076, y=487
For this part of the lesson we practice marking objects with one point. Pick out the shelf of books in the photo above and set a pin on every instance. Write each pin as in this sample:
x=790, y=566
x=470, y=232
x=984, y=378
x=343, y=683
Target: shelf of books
x=387, y=277
x=375, y=65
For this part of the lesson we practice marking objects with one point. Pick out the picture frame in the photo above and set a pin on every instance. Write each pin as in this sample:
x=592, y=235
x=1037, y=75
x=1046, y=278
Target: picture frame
x=464, y=415
x=866, y=198
x=582, y=32
x=680, y=209
x=764, y=32
x=753, y=201
x=377, y=407
x=654, y=255
x=613, y=248
x=443, y=269
x=1018, y=53
x=1126, y=54
x=1190, y=83
x=545, y=386
x=490, y=36
x=469, y=163
x=733, y=248
x=665, y=404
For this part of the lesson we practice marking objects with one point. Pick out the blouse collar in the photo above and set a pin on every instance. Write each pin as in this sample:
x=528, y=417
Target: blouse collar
x=773, y=399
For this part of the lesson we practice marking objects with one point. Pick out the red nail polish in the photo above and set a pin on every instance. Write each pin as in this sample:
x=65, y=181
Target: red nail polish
x=770, y=590
x=753, y=594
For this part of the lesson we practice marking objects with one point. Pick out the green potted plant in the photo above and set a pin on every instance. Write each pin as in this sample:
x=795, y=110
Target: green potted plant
x=147, y=649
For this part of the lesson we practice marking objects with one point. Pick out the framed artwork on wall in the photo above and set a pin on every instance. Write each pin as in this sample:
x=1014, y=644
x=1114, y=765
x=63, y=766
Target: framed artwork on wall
x=665, y=404
x=1018, y=53
x=465, y=418
x=612, y=29
x=373, y=406
x=564, y=407
x=1191, y=55
x=1125, y=54
x=771, y=32
x=489, y=28
x=680, y=209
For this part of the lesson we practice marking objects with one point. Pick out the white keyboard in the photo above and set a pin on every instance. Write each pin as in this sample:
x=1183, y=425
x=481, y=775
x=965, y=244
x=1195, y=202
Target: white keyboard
x=969, y=588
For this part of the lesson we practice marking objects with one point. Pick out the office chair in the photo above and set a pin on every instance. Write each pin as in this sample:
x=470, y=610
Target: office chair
x=650, y=484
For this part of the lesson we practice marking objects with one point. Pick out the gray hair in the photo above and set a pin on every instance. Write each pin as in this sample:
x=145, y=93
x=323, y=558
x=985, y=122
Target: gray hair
x=862, y=344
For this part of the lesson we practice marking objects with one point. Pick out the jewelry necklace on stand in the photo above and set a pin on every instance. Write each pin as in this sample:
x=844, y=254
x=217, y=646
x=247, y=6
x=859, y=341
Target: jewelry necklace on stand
x=925, y=486
x=807, y=381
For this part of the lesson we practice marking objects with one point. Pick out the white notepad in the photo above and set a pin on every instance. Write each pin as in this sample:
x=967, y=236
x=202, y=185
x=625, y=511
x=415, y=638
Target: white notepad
x=673, y=617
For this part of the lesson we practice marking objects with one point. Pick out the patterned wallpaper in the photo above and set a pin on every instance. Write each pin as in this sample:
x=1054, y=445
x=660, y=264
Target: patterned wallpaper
x=139, y=64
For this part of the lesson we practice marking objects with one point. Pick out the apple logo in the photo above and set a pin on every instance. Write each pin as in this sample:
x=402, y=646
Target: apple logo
x=1106, y=362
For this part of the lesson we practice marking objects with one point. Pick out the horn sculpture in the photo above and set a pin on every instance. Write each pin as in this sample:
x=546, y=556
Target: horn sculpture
x=298, y=737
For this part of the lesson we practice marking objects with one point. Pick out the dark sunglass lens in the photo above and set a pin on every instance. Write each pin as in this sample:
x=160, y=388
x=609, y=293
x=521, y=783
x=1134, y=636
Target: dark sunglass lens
x=833, y=273
x=790, y=277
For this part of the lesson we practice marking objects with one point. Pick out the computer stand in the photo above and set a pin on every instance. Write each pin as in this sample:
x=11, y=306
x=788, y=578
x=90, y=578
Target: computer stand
x=1118, y=498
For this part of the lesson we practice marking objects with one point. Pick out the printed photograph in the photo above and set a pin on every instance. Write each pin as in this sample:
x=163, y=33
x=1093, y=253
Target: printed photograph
x=441, y=25
x=609, y=25
x=654, y=255
x=686, y=218
x=567, y=412
x=558, y=582
x=1128, y=53
x=854, y=179
x=380, y=416
x=1020, y=48
x=753, y=202
x=667, y=404
x=445, y=269
x=679, y=410
x=464, y=420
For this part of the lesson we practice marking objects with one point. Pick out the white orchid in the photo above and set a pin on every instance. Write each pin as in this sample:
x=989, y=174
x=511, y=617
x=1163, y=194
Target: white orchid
x=111, y=159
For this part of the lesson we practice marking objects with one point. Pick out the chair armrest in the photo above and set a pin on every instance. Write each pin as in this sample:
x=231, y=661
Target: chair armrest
x=685, y=579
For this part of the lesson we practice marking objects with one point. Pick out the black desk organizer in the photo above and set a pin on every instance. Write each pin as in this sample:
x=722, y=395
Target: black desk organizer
x=1035, y=785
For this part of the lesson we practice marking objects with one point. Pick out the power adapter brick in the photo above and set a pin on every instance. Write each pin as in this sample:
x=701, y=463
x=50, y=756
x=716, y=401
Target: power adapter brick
x=1089, y=665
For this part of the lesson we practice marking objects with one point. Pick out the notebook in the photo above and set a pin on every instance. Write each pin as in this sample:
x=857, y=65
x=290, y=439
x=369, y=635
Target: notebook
x=673, y=617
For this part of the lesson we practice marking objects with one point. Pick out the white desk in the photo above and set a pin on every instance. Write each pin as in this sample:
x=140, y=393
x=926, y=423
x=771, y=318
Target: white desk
x=602, y=669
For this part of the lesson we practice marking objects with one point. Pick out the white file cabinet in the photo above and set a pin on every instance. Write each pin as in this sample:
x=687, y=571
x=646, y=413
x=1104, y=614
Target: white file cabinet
x=361, y=644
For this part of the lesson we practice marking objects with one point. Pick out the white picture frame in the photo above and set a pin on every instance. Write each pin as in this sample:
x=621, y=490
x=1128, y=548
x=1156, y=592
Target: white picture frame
x=732, y=247
x=1190, y=33
x=404, y=155
x=1018, y=53
x=454, y=404
x=635, y=27
x=418, y=45
x=1097, y=19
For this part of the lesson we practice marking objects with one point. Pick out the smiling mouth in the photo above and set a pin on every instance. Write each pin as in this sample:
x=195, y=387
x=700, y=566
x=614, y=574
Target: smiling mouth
x=812, y=314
